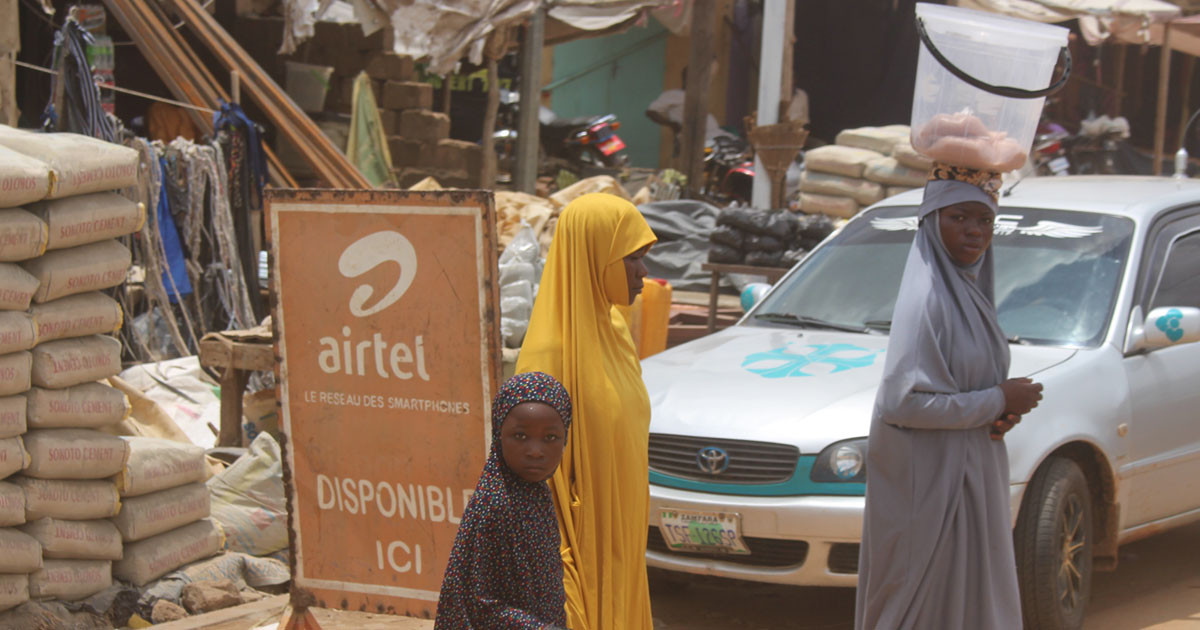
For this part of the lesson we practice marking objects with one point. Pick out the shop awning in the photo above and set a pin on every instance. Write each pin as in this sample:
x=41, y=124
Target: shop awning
x=1129, y=21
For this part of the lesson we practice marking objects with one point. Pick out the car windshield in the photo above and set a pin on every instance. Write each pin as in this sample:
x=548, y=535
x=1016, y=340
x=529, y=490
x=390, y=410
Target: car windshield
x=1057, y=275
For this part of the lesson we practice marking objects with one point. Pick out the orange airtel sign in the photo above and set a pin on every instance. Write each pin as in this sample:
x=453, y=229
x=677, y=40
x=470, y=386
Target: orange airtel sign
x=386, y=330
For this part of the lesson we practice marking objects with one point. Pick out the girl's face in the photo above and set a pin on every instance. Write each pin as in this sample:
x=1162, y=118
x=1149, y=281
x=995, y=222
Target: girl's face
x=967, y=230
x=635, y=270
x=531, y=440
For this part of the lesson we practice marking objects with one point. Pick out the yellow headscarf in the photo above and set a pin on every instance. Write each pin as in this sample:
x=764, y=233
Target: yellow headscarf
x=601, y=489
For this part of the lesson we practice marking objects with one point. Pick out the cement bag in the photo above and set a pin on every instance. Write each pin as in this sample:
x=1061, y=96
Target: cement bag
x=248, y=500
x=18, y=331
x=156, y=464
x=12, y=504
x=847, y=161
x=15, y=369
x=158, y=512
x=841, y=207
x=19, y=552
x=14, y=591
x=22, y=179
x=71, y=500
x=80, y=164
x=22, y=235
x=877, y=139
x=70, y=580
x=597, y=184
x=892, y=191
x=77, y=316
x=76, y=540
x=88, y=219
x=17, y=287
x=861, y=190
x=79, y=269
x=68, y=362
x=156, y=556
x=12, y=416
x=13, y=457
x=906, y=155
x=74, y=454
x=888, y=171
x=86, y=406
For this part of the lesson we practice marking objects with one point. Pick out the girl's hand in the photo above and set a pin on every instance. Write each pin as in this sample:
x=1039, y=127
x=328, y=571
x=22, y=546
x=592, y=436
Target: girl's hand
x=1021, y=395
x=1003, y=425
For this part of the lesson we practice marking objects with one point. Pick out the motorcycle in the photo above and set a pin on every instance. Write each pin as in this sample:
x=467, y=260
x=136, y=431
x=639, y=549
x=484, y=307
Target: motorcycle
x=1092, y=151
x=583, y=145
x=728, y=171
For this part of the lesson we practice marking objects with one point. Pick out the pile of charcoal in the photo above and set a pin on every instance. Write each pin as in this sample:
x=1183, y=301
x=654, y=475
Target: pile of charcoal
x=765, y=238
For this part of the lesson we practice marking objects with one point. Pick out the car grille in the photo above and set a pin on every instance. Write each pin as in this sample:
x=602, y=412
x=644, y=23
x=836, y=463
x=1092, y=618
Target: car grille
x=749, y=462
x=764, y=552
x=843, y=558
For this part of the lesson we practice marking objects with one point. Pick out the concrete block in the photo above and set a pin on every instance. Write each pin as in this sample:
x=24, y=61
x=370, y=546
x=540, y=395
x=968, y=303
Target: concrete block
x=402, y=95
x=424, y=125
x=457, y=155
x=391, y=122
x=391, y=67
x=209, y=595
x=407, y=152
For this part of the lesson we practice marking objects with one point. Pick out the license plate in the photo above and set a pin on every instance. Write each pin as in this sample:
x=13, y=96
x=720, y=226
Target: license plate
x=709, y=532
x=611, y=145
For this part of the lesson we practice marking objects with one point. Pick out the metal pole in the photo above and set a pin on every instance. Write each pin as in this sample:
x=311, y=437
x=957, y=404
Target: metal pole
x=695, y=103
x=774, y=33
x=1160, y=118
x=526, y=167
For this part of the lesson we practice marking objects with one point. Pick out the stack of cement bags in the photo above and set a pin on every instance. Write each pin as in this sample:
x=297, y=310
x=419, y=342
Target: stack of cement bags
x=58, y=225
x=165, y=506
x=865, y=166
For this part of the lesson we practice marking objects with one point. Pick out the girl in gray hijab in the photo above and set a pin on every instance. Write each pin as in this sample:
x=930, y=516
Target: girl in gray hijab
x=937, y=547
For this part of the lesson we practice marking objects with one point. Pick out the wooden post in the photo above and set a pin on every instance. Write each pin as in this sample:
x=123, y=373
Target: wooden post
x=446, y=94
x=528, y=129
x=1160, y=118
x=1119, y=80
x=235, y=87
x=487, y=178
x=787, y=88
x=695, y=107
x=233, y=387
x=1185, y=111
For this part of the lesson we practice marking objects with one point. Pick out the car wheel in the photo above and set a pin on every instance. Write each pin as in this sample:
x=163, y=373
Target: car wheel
x=1053, y=542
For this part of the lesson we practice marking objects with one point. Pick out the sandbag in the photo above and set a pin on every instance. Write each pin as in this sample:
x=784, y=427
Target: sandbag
x=13, y=457
x=157, y=464
x=15, y=372
x=598, y=184
x=78, y=270
x=847, y=161
x=888, y=171
x=19, y=552
x=86, y=406
x=72, y=500
x=68, y=362
x=22, y=235
x=248, y=499
x=18, y=331
x=842, y=207
x=765, y=259
x=80, y=164
x=77, y=316
x=12, y=416
x=156, y=556
x=780, y=225
x=12, y=504
x=70, y=580
x=22, y=179
x=76, y=540
x=863, y=191
x=74, y=454
x=877, y=139
x=718, y=253
x=14, y=591
x=158, y=512
x=727, y=235
x=88, y=219
x=756, y=243
x=910, y=157
x=17, y=287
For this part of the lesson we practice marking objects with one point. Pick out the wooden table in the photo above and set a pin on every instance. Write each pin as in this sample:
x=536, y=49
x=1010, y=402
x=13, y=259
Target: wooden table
x=772, y=274
x=237, y=356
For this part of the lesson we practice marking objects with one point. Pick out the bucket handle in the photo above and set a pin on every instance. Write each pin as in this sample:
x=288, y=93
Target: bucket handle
x=999, y=90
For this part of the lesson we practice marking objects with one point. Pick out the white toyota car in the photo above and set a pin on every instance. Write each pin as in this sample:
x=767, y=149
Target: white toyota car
x=758, y=432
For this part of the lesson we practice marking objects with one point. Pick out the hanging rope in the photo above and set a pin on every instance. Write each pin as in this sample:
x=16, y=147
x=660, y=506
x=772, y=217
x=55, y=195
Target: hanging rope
x=74, y=80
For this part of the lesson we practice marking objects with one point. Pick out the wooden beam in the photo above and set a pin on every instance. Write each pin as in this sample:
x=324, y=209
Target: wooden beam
x=528, y=129
x=695, y=107
x=1119, y=81
x=241, y=617
x=1160, y=118
x=1185, y=111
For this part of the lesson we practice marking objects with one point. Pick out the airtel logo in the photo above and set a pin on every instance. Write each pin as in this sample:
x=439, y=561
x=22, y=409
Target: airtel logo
x=368, y=253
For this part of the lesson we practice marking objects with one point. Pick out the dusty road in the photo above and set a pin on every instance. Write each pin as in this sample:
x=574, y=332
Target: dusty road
x=1156, y=587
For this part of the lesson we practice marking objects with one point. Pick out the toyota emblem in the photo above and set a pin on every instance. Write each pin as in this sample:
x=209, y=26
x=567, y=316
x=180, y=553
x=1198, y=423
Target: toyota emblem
x=712, y=460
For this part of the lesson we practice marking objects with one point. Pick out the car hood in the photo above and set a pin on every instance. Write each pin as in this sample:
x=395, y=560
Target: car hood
x=808, y=388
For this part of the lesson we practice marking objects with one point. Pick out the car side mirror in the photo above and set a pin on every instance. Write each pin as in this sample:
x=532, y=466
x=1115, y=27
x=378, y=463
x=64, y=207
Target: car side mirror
x=1164, y=327
x=753, y=294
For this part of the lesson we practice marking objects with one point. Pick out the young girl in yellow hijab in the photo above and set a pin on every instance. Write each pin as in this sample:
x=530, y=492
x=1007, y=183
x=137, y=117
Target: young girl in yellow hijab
x=601, y=489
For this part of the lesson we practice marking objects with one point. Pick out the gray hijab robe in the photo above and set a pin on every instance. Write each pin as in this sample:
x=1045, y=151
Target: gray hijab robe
x=937, y=548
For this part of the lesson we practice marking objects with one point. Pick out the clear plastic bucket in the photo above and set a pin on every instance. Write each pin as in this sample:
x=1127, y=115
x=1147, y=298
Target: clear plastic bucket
x=989, y=127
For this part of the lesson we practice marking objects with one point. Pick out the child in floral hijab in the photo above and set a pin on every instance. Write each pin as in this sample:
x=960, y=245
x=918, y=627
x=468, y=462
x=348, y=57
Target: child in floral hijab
x=505, y=569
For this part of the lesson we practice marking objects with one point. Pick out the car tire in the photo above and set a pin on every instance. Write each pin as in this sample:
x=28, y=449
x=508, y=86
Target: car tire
x=1053, y=541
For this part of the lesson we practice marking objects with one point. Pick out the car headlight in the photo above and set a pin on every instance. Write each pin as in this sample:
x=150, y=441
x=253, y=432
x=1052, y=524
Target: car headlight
x=844, y=461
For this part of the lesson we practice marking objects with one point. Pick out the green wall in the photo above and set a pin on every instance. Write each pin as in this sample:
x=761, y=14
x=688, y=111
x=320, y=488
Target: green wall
x=618, y=74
